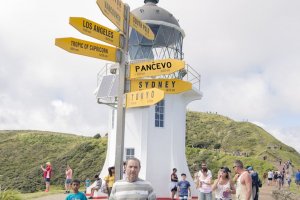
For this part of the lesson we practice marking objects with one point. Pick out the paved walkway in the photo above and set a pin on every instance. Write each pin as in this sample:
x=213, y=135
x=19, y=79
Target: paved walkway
x=265, y=194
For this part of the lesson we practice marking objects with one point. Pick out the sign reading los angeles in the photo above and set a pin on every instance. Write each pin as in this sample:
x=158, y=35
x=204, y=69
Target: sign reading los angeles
x=169, y=86
x=155, y=68
x=141, y=27
x=113, y=10
x=144, y=97
x=90, y=49
x=96, y=31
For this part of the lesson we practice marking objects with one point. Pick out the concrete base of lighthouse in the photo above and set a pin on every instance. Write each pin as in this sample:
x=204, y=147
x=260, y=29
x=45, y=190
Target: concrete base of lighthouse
x=160, y=149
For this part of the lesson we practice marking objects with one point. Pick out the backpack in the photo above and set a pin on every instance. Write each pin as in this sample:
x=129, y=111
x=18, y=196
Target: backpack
x=255, y=179
x=259, y=183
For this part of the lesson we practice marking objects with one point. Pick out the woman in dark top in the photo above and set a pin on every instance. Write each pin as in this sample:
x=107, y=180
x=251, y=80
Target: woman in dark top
x=174, y=181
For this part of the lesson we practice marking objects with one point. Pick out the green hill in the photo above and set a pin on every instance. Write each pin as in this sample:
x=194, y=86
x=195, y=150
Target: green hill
x=211, y=137
x=221, y=140
x=23, y=152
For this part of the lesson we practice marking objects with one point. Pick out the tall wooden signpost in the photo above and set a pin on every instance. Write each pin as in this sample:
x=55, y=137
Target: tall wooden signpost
x=143, y=92
x=119, y=14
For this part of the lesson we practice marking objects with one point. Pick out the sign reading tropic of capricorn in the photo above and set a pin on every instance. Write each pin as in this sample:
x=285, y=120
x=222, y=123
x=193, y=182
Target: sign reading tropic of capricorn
x=155, y=68
x=169, y=86
x=146, y=97
x=97, y=31
x=86, y=48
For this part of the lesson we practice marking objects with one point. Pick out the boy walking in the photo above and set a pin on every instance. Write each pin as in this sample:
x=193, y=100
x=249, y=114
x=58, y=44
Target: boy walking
x=76, y=194
x=184, y=188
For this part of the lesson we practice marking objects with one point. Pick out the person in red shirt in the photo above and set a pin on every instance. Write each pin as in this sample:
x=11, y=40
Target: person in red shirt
x=47, y=175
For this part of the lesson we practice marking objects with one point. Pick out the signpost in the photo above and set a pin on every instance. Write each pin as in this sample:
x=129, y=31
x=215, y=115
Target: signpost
x=90, y=49
x=97, y=31
x=114, y=11
x=141, y=27
x=143, y=92
x=144, y=98
x=155, y=68
x=169, y=86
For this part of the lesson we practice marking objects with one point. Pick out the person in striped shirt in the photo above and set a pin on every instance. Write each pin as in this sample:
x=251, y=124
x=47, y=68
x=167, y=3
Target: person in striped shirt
x=132, y=187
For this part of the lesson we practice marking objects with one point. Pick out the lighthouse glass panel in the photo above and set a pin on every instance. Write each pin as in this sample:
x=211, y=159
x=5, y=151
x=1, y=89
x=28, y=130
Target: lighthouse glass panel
x=159, y=114
x=167, y=44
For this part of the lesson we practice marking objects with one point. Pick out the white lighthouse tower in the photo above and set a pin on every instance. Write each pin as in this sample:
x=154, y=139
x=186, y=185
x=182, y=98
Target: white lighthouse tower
x=154, y=134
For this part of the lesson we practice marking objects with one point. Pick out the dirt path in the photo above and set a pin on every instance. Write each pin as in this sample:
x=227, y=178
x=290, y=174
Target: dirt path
x=265, y=193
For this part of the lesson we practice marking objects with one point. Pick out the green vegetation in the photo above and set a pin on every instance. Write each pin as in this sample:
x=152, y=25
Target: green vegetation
x=9, y=195
x=23, y=152
x=211, y=137
x=220, y=141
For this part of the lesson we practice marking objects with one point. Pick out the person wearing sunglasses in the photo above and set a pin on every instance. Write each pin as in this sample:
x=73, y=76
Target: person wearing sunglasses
x=223, y=186
x=243, y=182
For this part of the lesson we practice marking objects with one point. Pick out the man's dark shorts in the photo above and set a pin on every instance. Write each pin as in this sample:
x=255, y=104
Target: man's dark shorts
x=47, y=180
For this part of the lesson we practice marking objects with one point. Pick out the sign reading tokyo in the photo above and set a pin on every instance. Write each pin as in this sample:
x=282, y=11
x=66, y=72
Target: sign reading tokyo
x=141, y=27
x=169, y=86
x=95, y=30
x=155, y=68
x=113, y=10
x=144, y=98
x=89, y=49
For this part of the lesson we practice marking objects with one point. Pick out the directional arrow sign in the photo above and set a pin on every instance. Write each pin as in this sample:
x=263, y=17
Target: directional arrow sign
x=141, y=27
x=89, y=49
x=113, y=10
x=169, y=86
x=95, y=30
x=155, y=68
x=144, y=98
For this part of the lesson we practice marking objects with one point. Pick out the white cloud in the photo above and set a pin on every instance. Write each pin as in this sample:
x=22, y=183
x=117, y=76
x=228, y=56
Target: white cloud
x=247, y=52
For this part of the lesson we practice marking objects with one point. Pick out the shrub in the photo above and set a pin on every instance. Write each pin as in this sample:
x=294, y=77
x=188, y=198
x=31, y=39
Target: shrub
x=8, y=195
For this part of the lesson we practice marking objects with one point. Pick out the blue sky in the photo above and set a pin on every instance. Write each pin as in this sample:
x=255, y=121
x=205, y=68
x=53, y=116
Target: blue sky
x=247, y=53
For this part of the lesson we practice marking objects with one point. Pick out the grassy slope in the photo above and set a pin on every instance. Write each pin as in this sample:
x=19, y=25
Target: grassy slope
x=204, y=130
x=22, y=152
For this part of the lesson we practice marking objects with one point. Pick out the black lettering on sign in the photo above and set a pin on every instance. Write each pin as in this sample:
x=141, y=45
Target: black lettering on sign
x=86, y=24
x=103, y=31
x=153, y=66
x=77, y=44
x=112, y=11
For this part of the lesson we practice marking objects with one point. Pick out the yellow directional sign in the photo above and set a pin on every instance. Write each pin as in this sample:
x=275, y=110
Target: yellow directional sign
x=113, y=10
x=95, y=30
x=155, y=68
x=141, y=27
x=144, y=98
x=86, y=48
x=169, y=86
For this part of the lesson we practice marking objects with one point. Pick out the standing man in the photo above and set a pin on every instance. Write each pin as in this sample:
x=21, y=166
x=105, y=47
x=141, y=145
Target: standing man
x=243, y=183
x=270, y=177
x=47, y=175
x=132, y=187
x=69, y=174
x=204, y=167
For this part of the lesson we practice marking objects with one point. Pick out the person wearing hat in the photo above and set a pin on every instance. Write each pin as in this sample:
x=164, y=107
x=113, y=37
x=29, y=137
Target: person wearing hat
x=47, y=175
x=223, y=186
